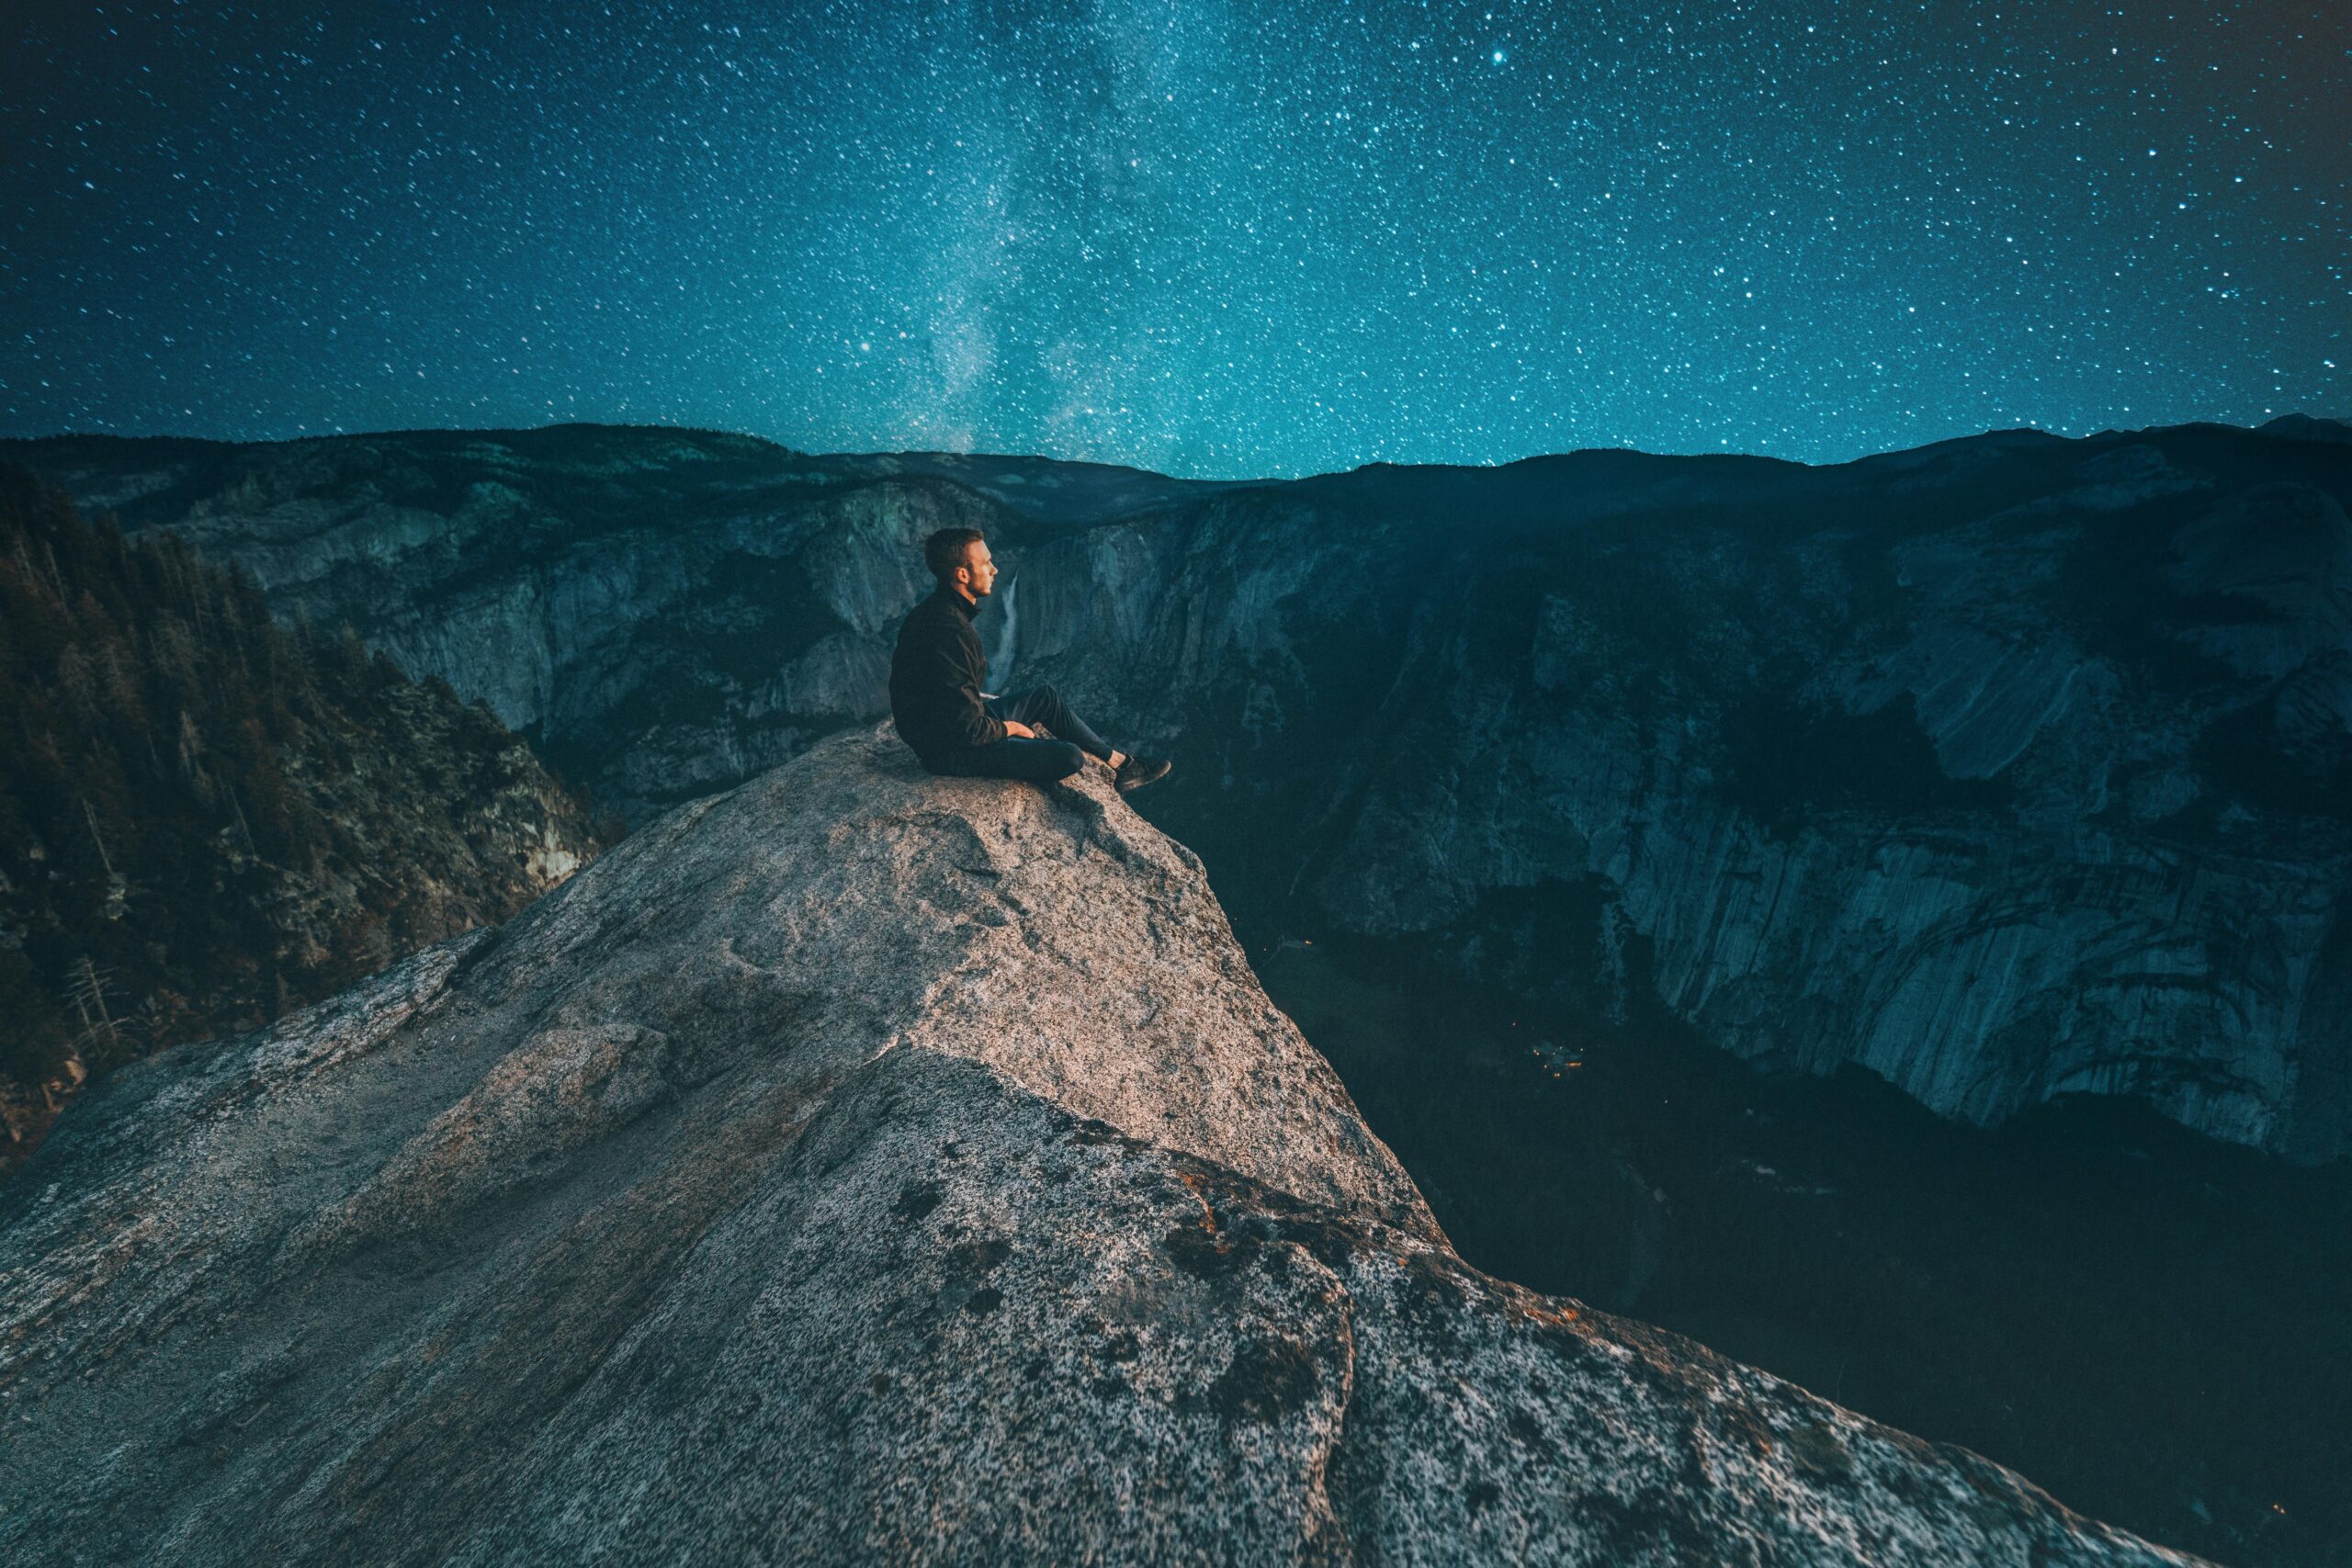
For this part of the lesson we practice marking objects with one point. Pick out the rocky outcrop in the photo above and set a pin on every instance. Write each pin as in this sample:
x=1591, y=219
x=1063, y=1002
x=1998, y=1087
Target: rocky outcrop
x=2010, y=768
x=857, y=1166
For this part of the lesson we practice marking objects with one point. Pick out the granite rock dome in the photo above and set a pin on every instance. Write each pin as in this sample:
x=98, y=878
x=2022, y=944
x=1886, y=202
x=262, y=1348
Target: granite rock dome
x=857, y=1166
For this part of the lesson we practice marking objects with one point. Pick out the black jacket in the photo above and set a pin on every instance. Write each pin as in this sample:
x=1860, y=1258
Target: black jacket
x=935, y=679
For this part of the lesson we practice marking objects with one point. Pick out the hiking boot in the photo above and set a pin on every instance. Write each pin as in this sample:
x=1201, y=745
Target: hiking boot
x=1137, y=771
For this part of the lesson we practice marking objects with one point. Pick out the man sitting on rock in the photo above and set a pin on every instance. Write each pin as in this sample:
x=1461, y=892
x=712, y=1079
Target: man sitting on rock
x=936, y=677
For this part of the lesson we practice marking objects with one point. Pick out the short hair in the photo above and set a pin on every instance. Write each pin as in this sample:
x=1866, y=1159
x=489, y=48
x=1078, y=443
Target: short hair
x=943, y=551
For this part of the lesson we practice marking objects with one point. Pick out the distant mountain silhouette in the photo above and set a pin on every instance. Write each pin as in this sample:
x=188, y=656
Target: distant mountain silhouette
x=2303, y=427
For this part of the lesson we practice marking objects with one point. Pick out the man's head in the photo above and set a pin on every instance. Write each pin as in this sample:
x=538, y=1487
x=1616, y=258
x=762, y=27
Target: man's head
x=959, y=558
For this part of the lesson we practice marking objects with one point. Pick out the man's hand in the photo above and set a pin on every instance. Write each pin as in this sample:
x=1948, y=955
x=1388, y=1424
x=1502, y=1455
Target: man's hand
x=1014, y=727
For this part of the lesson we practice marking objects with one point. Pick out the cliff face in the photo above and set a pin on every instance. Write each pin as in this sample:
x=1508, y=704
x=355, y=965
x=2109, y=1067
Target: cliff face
x=2009, y=768
x=857, y=1166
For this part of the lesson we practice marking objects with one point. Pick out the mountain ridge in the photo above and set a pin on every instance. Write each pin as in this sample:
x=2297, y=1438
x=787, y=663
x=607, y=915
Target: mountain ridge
x=2296, y=425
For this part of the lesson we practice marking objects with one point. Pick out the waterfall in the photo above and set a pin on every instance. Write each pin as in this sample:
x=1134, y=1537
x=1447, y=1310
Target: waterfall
x=999, y=647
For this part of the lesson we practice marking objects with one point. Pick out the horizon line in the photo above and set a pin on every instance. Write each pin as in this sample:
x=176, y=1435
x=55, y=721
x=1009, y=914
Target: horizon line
x=1136, y=467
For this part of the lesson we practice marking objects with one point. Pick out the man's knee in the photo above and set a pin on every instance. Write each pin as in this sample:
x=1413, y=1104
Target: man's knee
x=1069, y=758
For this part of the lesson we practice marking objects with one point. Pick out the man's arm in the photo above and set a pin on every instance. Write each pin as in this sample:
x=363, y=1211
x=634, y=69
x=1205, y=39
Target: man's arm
x=1013, y=726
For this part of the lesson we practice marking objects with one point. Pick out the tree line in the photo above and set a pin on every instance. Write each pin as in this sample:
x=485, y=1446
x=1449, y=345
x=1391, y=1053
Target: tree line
x=207, y=818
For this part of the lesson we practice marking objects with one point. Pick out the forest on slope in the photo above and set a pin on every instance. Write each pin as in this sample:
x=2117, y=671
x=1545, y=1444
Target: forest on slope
x=208, y=819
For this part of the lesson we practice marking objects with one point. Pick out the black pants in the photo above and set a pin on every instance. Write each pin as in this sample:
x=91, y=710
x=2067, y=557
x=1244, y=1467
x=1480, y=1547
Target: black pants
x=1015, y=757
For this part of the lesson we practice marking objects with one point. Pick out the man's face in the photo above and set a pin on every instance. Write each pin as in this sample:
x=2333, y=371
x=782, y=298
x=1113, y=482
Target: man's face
x=979, y=570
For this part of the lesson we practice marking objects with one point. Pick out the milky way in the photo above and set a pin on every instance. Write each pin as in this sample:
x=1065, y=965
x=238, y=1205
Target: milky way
x=1210, y=239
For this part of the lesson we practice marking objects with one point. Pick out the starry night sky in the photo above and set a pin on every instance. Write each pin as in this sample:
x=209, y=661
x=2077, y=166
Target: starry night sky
x=1214, y=237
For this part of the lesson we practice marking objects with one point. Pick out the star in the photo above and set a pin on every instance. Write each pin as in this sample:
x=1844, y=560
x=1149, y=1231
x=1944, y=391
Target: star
x=1256, y=239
